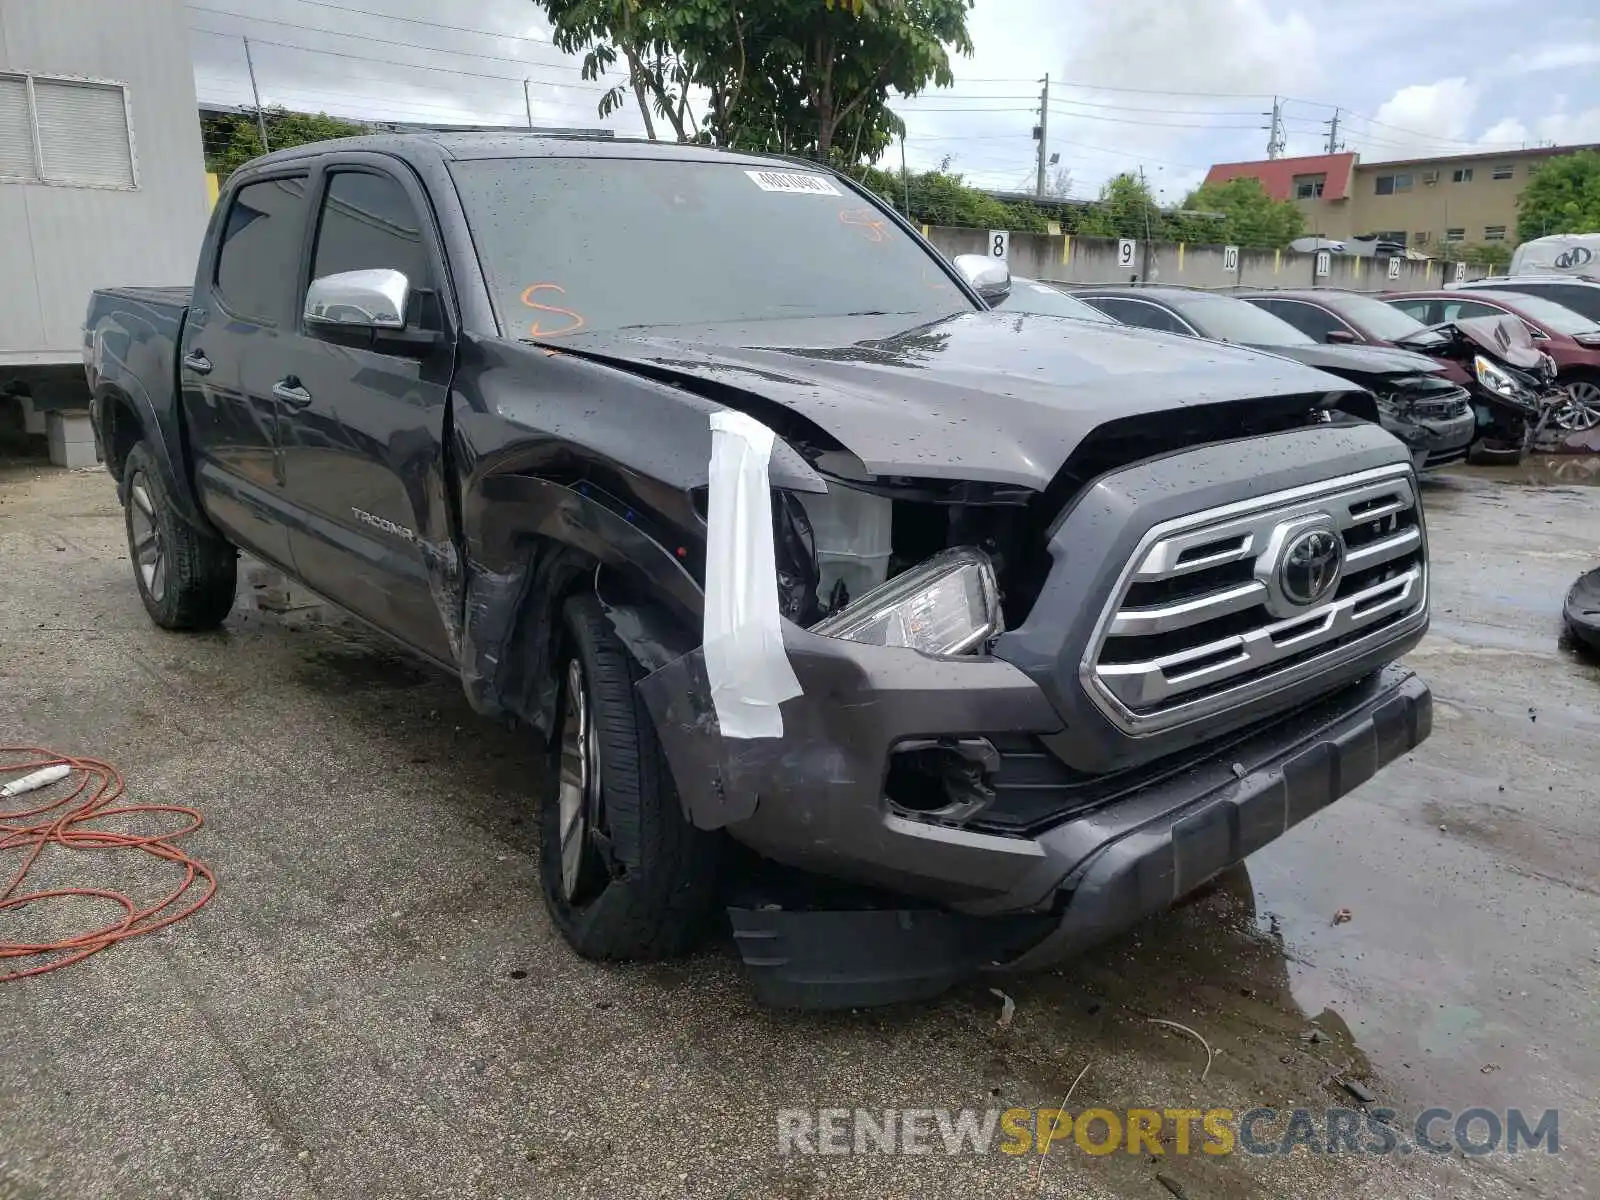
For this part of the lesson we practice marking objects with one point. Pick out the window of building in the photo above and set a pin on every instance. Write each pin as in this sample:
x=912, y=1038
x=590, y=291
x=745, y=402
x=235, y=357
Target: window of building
x=1309, y=187
x=1455, y=235
x=1422, y=237
x=73, y=132
x=1388, y=185
x=1461, y=175
x=1503, y=171
x=1494, y=233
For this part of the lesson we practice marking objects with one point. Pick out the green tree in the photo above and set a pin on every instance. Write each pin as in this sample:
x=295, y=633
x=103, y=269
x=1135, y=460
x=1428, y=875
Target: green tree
x=1494, y=256
x=1249, y=217
x=1126, y=209
x=790, y=75
x=233, y=139
x=1563, y=196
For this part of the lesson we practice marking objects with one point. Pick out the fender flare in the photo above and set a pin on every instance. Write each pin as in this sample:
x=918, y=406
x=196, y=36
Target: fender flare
x=532, y=543
x=109, y=395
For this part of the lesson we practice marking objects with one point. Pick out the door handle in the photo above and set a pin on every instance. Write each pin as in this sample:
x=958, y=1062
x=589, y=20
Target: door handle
x=291, y=393
x=197, y=362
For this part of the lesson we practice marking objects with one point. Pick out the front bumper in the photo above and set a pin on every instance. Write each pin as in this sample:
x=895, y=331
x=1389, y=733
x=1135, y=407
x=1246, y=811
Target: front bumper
x=1433, y=441
x=1098, y=874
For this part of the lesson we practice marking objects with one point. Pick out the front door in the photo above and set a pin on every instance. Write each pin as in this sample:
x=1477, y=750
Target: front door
x=240, y=317
x=363, y=429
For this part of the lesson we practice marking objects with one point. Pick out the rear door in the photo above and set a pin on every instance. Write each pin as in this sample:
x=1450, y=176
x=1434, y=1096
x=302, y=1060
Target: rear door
x=240, y=316
x=362, y=435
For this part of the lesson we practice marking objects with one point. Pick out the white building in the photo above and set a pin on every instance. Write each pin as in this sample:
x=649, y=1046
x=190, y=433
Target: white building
x=101, y=175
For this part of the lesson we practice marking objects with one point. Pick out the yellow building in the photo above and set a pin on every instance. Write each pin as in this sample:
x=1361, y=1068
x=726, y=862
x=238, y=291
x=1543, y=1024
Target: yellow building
x=1423, y=203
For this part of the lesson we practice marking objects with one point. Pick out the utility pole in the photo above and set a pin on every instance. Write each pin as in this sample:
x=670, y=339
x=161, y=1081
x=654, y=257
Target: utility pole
x=1276, y=139
x=905, y=179
x=261, y=120
x=1334, y=145
x=527, y=103
x=1041, y=131
x=1144, y=266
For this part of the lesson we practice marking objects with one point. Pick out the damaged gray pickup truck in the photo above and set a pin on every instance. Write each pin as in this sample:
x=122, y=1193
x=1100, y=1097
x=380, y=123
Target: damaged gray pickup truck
x=925, y=639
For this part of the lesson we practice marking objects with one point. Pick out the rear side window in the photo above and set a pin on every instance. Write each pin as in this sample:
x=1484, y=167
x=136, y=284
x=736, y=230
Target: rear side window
x=368, y=221
x=1140, y=313
x=260, y=251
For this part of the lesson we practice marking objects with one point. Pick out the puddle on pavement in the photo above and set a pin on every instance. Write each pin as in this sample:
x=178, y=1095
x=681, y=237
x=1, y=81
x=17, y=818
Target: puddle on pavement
x=1540, y=470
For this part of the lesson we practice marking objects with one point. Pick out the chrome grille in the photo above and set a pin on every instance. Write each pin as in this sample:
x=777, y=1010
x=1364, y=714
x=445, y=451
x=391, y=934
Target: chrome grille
x=1202, y=618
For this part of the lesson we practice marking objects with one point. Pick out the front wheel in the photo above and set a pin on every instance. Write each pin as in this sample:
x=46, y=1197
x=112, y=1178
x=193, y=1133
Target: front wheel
x=1581, y=408
x=625, y=874
x=186, y=576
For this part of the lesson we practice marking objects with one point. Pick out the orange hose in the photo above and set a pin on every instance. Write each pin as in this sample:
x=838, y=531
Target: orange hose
x=66, y=822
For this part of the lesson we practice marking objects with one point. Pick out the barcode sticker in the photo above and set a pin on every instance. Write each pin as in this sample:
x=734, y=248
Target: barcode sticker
x=794, y=181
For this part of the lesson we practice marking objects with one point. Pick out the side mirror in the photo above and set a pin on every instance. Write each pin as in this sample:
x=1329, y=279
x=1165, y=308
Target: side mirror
x=359, y=300
x=1339, y=337
x=989, y=277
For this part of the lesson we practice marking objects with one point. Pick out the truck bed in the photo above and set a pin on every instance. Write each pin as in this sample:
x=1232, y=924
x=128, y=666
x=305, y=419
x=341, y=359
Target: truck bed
x=177, y=297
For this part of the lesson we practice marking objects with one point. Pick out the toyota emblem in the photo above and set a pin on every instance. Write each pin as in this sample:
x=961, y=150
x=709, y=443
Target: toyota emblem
x=1310, y=566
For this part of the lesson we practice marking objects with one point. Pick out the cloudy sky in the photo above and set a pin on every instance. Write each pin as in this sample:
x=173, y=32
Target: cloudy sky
x=1169, y=86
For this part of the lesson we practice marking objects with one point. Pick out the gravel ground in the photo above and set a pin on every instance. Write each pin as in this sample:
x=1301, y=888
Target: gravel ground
x=375, y=1005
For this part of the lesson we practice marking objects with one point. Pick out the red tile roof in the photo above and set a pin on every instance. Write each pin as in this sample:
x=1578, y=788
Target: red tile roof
x=1277, y=175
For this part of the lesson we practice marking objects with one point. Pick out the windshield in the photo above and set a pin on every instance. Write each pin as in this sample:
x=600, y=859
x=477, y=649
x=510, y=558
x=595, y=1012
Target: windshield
x=610, y=243
x=1232, y=320
x=1030, y=296
x=1550, y=314
x=1380, y=320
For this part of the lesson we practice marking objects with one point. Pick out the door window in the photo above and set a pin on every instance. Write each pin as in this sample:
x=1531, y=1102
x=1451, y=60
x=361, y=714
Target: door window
x=369, y=221
x=1310, y=320
x=259, y=248
x=1416, y=308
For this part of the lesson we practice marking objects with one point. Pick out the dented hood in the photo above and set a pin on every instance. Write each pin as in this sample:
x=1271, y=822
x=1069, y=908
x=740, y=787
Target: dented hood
x=1001, y=397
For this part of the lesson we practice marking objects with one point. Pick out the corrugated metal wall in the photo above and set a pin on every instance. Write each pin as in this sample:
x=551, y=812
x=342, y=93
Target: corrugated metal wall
x=58, y=242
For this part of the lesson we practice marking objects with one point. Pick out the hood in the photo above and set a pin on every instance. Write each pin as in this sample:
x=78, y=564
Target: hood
x=1504, y=338
x=992, y=396
x=1353, y=362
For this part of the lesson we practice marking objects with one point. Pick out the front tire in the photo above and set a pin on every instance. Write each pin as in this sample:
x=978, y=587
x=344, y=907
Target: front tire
x=625, y=874
x=186, y=576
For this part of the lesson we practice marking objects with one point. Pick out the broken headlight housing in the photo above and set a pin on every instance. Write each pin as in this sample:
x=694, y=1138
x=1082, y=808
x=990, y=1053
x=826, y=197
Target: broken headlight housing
x=1498, y=381
x=948, y=605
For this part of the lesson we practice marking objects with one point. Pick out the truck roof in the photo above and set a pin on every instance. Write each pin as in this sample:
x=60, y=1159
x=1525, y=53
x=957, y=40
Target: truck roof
x=468, y=146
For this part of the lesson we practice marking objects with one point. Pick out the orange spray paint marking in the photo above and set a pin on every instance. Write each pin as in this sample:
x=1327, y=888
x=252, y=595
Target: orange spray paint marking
x=866, y=220
x=574, y=321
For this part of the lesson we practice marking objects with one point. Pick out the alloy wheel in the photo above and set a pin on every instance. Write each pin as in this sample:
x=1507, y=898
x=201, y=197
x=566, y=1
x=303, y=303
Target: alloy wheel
x=149, y=552
x=1581, y=409
x=579, y=793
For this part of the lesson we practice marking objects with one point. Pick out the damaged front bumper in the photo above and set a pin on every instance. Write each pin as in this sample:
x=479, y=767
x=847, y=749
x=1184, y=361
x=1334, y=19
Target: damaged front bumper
x=973, y=898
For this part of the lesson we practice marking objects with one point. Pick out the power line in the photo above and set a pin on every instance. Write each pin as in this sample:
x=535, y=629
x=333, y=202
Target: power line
x=389, y=62
x=418, y=21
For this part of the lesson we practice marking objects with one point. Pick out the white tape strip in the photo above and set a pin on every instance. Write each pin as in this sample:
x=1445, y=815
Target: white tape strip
x=746, y=665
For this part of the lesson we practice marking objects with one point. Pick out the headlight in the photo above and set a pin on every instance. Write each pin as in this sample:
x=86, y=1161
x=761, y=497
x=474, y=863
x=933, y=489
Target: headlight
x=1496, y=380
x=948, y=605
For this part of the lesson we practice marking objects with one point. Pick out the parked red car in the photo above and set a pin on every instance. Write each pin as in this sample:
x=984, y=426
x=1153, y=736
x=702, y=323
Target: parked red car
x=1570, y=338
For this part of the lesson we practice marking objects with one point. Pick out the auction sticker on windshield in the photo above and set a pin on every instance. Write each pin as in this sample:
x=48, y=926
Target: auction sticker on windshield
x=794, y=181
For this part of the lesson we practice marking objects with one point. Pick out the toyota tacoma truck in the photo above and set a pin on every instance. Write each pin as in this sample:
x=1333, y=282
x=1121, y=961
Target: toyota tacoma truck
x=957, y=639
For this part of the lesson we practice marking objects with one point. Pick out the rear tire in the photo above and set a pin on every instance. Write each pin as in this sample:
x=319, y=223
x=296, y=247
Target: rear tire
x=610, y=798
x=186, y=575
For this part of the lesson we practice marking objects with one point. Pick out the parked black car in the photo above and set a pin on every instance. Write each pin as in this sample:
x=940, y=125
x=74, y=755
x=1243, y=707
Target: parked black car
x=1414, y=399
x=708, y=470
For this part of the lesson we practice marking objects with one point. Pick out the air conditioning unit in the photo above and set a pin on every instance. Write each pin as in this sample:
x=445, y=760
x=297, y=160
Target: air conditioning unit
x=1430, y=177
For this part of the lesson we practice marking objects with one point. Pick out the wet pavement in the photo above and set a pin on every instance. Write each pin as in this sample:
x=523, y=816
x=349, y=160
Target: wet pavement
x=377, y=1006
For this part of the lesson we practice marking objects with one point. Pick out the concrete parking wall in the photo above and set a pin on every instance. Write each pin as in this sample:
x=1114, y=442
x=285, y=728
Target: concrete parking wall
x=1069, y=259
